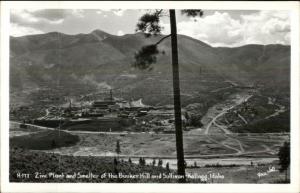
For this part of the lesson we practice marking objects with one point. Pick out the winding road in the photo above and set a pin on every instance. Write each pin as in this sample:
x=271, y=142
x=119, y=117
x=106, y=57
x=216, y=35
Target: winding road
x=223, y=128
x=224, y=111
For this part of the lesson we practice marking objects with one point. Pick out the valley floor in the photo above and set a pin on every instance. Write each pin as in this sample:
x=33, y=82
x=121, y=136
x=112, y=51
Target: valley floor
x=212, y=150
x=218, y=154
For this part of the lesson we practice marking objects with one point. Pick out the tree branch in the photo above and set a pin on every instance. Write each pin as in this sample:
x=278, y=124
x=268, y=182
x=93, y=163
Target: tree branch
x=162, y=39
x=158, y=12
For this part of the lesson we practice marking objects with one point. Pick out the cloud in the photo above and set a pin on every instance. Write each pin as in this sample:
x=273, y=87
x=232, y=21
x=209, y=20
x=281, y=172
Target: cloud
x=267, y=27
x=25, y=17
x=34, y=20
x=215, y=29
x=118, y=12
x=16, y=30
x=120, y=33
x=220, y=29
x=49, y=14
x=78, y=13
x=40, y=16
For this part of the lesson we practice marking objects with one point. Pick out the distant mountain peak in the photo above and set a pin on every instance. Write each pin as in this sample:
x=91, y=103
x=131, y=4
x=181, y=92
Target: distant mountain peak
x=99, y=34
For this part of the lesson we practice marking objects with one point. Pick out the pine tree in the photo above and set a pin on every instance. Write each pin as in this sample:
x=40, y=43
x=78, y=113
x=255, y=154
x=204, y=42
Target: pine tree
x=168, y=167
x=153, y=162
x=195, y=164
x=142, y=161
x=53, y=144
x=284, y=158
x=118, y=148
x=149, y=23
x=115, y=161
x=160, y=163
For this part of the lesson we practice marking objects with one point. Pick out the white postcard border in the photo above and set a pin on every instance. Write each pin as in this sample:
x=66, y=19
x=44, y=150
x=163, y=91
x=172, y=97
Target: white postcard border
x=111, y=187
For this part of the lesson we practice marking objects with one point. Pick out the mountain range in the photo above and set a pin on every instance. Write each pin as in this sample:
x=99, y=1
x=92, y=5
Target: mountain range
x=78, y=65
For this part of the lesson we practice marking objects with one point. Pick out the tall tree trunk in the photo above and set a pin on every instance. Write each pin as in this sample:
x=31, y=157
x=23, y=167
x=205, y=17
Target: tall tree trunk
x=176, y=93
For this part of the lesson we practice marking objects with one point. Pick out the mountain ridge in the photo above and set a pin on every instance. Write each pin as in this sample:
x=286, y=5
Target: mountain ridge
x=85, y=61
x=101, y=31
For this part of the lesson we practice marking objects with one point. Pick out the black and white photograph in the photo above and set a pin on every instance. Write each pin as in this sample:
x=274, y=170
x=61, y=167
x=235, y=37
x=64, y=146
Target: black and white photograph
x=196, y=96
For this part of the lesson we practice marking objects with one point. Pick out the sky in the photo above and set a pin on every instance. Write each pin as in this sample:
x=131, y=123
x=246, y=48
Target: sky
x=230, y=28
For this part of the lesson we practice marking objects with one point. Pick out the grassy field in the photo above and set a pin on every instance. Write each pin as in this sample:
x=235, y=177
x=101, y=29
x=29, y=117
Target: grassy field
x=145, y=144
x=141, y=144
x=150, y=145
x=157, y=145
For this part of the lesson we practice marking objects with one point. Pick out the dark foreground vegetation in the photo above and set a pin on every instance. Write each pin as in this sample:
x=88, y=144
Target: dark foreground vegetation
x=44, y=140
x=32, y=162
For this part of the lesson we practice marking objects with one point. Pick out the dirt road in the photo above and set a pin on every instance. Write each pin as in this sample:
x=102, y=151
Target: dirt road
x=237, y=101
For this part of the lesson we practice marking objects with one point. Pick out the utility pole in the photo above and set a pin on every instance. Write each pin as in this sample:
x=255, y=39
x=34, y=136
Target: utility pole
x=176, y=93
